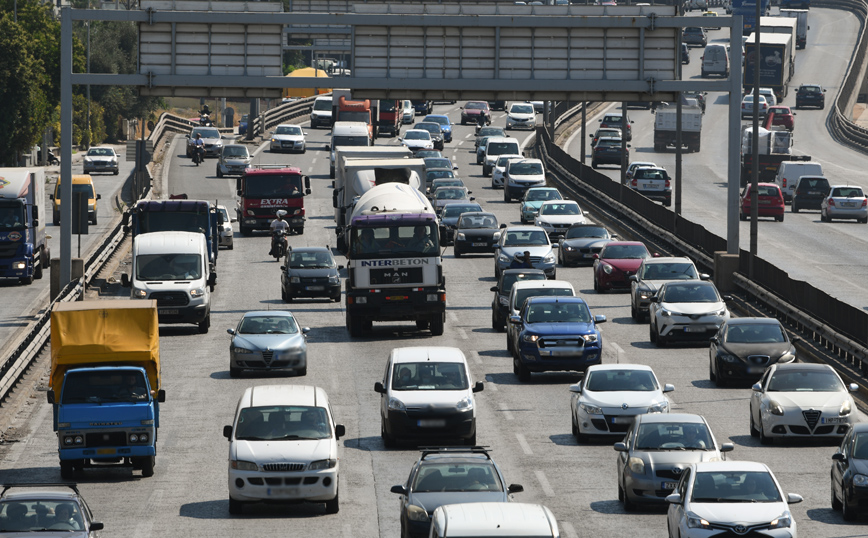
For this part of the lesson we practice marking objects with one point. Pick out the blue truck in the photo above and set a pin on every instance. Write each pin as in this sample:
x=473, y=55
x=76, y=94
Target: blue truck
x=24, y=252
x=747, y=9
x=105, y=384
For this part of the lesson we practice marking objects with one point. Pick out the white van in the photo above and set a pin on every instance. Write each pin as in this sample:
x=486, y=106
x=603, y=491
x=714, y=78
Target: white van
x=321, y=113
x=789, y=173
x=496, y=146
x=347, y=133
x=715, y=61
x=492, y=520
x=173, y=269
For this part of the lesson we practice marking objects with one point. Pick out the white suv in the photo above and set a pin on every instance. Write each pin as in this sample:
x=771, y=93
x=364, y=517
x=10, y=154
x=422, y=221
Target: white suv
x=500, y=168
x=427, y=394
x=521, y=176
x=283, y=447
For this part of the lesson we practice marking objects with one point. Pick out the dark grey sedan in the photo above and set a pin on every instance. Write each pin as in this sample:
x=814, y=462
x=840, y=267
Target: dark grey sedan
x=743, y=348
x=449, y=220
x=476, y=232
x=581, y=242
x=451, y=195
x=268, y=341
x=310, y=272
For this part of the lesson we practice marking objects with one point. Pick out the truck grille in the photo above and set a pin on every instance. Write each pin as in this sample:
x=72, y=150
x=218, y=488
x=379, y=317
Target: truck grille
x=811, y=417
x=105, y=439
x=555, y=342
x=8, y=250
x=283, y=467
x=170, y=298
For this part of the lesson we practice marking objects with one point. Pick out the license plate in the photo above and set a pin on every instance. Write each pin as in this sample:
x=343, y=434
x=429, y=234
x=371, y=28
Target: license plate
x=694, y=329
x=814, y=192
x=668, y=485
x=765, y=202
x=432, y=423
x=622, y=420
x=558, y=352
x=167, y=311
x=479, y=244
x=756, y=370
x=282, y=492
x=105, y=451
x=588, y=255
x=836, y=420
x=848, y=204
x=648, y=186
x=315, y=288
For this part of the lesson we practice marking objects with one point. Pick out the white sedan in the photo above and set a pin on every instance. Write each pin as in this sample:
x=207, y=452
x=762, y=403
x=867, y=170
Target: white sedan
x=611, y=395
x=520, y=116
x=801, y=401
x=730, y=498
x=101, y=159
x=288, y=138
x=556, y=217
x=690, y=310
x=416, y=139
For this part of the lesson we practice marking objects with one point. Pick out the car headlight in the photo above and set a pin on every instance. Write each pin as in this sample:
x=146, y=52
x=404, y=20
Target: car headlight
x=274, y=140
x=241, y=350
x=721, y=312
x=860, y=480
x=294, y=279
x=660, y=407
x=543, y=224
x=503, y=258
x=787, y=356
x=636, y=465
x=568, y=248
x=465, y=404
x=607, y=268
x=550, y=258
x=696, y=522
x=139, y=293
x=783, y=521
x=197, y=292
x=460, y=236
x=591, y=409
x=590, y=338
x=416, y=513
x=88, y=161
x=845, y=409
x=529, y=337
x=396, y=405
x=775, y=408
x=322, y=464
x=496, y=236
x=240, y=465
x=334, y=278
x=726, y=357
x=665, y=313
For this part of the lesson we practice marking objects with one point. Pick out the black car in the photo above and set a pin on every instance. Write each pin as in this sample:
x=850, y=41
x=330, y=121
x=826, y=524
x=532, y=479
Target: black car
x=685, y=53
x=435, y=184
x=449, y=475
x=743, y=348
x=694, y=35
x=422, y=107
x=438, y=173
x=811, y=95
x=608, y=151
x=449, y=220
x=500, y=304
x=476, y=233
x=439, y=162
x=809, y=193
x=849, y=469
x=310, y=272
x=435, y=130
x=497, y=105
x=581, y=242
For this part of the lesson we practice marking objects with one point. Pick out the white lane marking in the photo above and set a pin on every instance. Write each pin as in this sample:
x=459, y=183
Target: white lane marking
x=569, y=531
x=544, y=483
x=468, y=135
x=460, y=142
x=507, y=414
x=474, y=356
x=313, y=161
x=523, y=443
x=618, y=352
x=453, y=317
x=462, y=333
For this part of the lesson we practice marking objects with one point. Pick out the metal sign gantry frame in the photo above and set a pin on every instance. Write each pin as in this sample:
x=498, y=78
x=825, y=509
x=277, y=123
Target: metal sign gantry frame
x=553, y=89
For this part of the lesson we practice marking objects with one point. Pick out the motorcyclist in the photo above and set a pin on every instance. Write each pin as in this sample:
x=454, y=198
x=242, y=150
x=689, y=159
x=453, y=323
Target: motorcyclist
x=521, y=261
x=198, y=149
x=279, y=228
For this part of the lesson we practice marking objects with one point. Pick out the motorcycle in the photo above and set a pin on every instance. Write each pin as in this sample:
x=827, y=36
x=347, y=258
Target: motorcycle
x=278, y=244
x=52, y=159
x=198, y=155
x=205, y=120
x=482, y=121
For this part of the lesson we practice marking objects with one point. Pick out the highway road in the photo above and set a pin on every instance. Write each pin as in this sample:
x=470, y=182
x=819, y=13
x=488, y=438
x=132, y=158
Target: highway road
x=830, y=256
x=527, y=425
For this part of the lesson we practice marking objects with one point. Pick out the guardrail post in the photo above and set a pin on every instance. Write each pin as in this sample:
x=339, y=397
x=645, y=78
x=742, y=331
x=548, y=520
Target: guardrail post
x=55, y=286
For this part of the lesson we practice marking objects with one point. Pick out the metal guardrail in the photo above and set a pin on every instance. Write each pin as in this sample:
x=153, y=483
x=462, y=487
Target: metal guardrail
x=283, y=113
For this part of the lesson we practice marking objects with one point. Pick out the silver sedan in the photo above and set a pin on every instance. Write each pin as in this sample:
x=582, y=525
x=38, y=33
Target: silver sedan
x=268, y=341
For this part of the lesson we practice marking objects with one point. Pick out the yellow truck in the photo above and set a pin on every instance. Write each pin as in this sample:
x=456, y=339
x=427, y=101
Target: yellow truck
x=105, y=384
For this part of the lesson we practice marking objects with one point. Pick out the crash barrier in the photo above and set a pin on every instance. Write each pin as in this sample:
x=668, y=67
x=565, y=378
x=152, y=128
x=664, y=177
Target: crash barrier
x=282, y=114
x=839, y=327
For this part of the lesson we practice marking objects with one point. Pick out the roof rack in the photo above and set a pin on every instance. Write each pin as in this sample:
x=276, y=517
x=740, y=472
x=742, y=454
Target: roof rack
x=72, y=486
x=478, y=449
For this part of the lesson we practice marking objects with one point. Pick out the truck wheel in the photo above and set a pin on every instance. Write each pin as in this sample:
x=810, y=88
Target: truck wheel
x=147, y=466
x=354, y=325
x=37, y=271
x=506, y=196
x=331, y=172
x=421, y=324
x=67, y=471
x=299, y=230
x=234, y=372
x=437, y=323
x=205, y=324
x=94, y=220
x=27, y=280
x=658, y=148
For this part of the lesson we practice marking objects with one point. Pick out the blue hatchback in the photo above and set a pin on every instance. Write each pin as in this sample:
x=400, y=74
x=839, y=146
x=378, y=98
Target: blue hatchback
x=445, y=125
x=556, y=334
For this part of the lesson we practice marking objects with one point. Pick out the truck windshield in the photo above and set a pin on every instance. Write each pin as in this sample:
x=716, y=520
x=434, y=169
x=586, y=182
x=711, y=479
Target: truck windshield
x=355, y=115
x=322, y=104
x=395, y=241
x=174, y=221
x=338, y=141
x=11, y=217
x=95, y=386
x=156, y=267
x=272, y=186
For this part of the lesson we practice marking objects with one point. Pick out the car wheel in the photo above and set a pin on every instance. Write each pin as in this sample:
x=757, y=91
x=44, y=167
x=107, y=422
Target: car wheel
x=457, y=253
x=660, y=340
x=219, y=172
x=779, y=218
x=864, y=221
x=742, y=216
x=711, y=375
x=333, y=506
x=794, y=208
x=764, y=439
x=573, y=427
x=580, y=437
x=594, y=164
x=388, y=440
x=471, y=441
x=652, y=334
x=629, y=505
x=235, y=507
x=634, y=313
x=846, y=511
x=234, y=372
x=836, y=503
x=596, y=285
x=523, y=372
x=205, y=324
x=67, y=470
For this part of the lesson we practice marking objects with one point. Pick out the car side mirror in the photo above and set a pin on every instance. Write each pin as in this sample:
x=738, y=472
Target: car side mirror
x=472, y=198
x=757, y=387
x=51, y=197
x=50, y=396
x=576, y=387
x=599, y=319
x=514, y=319
x=502, y=226
x=714, y=340
x=704, y=276
x=590, y=136
x=596, y=256
x=329, y=148
x=653, y=299
x=514, y=488
x=231, y=331
x=478, y=387
x=620, y=447
x=125, y=280
x=675, y=498
x=340, y=267
x=227, y=432
x=793, y=498
x=853, y=387
x=186, y=136
x=727, y=298
x=378, y=387
x=305, y=330
x=96, y=525
x=400, y=490
x=837, y=456
x=161, y=395
x=340, y=431
x=668, y=387
x=633, y=278
x=614, y=236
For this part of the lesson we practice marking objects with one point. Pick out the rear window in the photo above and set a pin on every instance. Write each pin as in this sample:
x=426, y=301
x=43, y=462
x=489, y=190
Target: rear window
x=814, y=184
x=848, y=192
x=498, y=148
x=522, y=295
x=768, y=191
x=714, y=54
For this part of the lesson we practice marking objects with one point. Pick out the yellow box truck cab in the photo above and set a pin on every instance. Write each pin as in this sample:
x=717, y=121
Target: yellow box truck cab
x=81, y=183
x=105, y=384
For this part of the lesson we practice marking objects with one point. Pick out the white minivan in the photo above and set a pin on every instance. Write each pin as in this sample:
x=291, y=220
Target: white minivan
x=173, y=269
x=490, y=520
x=496, y=146
x=715, y=61
x=789, y=173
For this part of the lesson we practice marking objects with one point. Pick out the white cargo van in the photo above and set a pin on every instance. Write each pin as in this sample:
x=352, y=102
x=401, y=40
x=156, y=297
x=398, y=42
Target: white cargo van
x=492, y=520
x=347, y=133
x=172, y=268
x=715, y=61
x=496, y=146
x=789, y=173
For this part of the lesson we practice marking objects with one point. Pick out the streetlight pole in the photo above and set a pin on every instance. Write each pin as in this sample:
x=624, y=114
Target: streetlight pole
x=89, y=134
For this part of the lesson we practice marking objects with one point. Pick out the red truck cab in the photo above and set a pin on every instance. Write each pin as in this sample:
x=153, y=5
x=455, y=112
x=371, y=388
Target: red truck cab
x=356, y=111
x=264, y=190
x=391, y=112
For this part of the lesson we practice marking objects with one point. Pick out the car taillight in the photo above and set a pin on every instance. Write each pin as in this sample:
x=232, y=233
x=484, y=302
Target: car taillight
x=635, y=183
x=832, y=202
x=667, y=183
x=785, y=182
x=865, y=202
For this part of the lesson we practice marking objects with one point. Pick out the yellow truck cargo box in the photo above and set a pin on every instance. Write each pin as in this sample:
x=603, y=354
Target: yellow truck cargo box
x=99, y=333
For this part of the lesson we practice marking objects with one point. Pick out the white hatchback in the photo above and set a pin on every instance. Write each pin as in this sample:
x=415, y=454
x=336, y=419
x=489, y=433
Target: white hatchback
x=500, y=168
x=556, y=217
x=520, y=116
x=283, y=447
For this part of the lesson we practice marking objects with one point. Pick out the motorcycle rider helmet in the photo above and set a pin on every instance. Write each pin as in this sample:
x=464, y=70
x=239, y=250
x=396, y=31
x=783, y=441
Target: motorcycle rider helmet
x=281, y=213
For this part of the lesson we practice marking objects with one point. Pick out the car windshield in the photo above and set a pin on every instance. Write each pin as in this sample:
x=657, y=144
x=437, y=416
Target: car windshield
x=100, y=152
x=860, y=446
x=288, y=130
x=363, y=116
x=673, y=436
x=450, y=193
x=41, y=515
x=438, y=174
x=503, y=160
x=805, y=381
x=429, y=375
x=348, y=140
x=813, y=183
x=456, y=209
x=779, y=110
x=11, y=216
x=587, y=231
x=735, y=487
x=98, y=386
x=522, y=295
x=490, y=131
x=205, y=133
x=522, y=168
x=463, y=476
x=225, y=214
x=437, y=163
x=621, y=380
x=553, y=312
x=268, y=325
x=608, y=132
x=442, y=120
x=446, y=182
x=624, y=252
x=538, y=195
x=433, y=128
x=392, y=241
x=650, y=173
x=322, y=104
x=526, y=237
x=478, y=221
x=476, y=105
x=847, y=192
x=689, y=293
x=560, y=209
x=755, y=333
x=499, y=148
x=669, y=271
x=522, y=109
x=417, y=135
x=311, y=260
x=158, y=267
x=236, y=151
x=282, y=423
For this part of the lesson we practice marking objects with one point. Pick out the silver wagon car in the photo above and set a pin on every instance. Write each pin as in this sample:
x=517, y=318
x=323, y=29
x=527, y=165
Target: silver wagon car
x=268, y=341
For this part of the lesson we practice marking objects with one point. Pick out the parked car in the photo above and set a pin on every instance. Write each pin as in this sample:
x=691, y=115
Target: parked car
x=809, y=193
x=500, y=304
x=653, y=273
x=801, y=401
x=268, y=341
x=656, y=449
x=101, y=159
x=845, y=202
x=519, y=239
x=476, y=232
x=581, y=242
x=770, y=202
x=556, y=217
x=609, y=151
x=32, y=509
x=610, y=396
x=687, y=311
x=310, y=272
x=812, y=95
x=743, y=348
x=233, y=160
x=850, y=473
x=614, y=265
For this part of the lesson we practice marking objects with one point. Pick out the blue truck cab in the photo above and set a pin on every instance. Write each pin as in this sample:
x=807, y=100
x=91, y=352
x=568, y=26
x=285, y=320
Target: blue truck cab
x=24, y=252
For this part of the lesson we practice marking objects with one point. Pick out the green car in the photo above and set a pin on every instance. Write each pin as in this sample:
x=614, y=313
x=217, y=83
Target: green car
x=533, y=199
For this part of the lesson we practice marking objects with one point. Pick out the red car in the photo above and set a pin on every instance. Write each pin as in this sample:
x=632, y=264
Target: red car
x=771, y=202
x=783, y=116
x=618, y=260
x=473, y=109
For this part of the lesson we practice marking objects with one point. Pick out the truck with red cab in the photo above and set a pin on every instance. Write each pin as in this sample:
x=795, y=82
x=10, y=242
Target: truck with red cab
x=391, y=116
x=263, y=190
